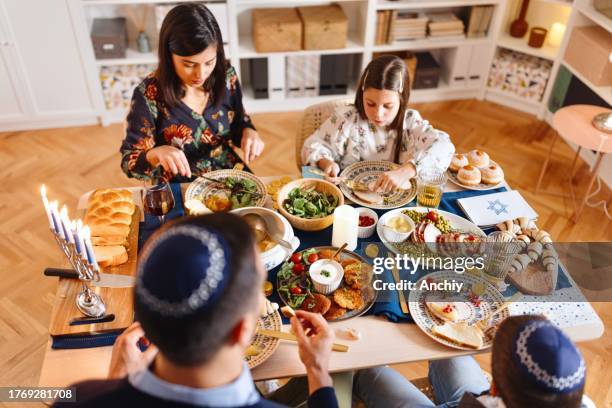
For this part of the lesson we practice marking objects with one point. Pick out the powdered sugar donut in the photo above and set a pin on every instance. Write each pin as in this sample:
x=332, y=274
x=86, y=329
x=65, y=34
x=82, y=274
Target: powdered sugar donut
x=478, y=158
x=492, y=174
x=459, y=160
x=469, y=175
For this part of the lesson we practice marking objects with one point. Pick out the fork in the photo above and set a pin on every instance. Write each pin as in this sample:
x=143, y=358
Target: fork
x=483, y=323
x=400, y=293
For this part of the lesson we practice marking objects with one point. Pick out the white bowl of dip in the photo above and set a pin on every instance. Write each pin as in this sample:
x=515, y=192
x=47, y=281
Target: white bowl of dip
x=326, y=275
x=398, y=227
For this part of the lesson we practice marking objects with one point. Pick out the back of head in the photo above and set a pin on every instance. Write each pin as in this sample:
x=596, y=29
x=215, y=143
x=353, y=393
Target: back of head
x=536, y=365
x=197, y=278
x=386, y=72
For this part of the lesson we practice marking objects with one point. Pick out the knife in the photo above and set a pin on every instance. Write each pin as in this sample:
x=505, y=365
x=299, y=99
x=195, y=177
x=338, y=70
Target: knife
x=107, y=280
x=400, y=293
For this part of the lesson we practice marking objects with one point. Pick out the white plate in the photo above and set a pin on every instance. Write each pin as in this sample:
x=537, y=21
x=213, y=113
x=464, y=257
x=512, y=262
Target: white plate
x=369, y=170
x=490, y=300
x=457, y=223
x=201, y=188
x=452, y=176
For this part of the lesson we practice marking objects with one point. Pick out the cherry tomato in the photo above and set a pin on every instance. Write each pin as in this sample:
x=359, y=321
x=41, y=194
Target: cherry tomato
x=312, y=258
x=296, y=290
x=298, y=269
x=432, y=216
x=296, y=258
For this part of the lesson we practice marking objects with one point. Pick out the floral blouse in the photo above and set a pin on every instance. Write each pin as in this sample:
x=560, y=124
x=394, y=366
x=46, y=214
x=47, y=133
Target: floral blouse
x=205, y=138
x=346, y=138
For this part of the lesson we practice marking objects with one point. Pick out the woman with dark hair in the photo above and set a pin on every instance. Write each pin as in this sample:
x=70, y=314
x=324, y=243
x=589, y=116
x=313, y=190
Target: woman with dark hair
x=186, y=115
x=379, y=126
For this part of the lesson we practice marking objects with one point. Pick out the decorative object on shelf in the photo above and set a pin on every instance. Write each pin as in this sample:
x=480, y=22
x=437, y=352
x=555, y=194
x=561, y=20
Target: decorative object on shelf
x=142, y=41
x=118, y=83
x=537, y=35
x=588, y=52
x=109, y=37
x=277, y=30
x=521, y=74
x=603, y=122
x=555, y=36
x=519, y=27
x=324, y=27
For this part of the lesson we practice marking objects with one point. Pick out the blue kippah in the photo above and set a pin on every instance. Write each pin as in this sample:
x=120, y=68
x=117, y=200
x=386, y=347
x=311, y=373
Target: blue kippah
x=182, y=271
x=548, y=358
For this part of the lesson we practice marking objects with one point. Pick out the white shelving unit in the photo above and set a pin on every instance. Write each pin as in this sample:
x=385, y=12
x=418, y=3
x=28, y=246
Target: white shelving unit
x=362, y=23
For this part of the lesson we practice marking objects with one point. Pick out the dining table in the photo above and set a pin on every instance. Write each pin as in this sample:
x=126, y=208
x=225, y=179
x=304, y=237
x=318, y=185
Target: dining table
x=381, y=341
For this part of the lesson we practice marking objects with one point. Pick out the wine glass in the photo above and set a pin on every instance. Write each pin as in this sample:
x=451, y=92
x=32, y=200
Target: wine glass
x=159, y=201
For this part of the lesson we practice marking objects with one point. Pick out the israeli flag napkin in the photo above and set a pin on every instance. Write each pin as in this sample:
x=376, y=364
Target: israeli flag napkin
x=491, y=209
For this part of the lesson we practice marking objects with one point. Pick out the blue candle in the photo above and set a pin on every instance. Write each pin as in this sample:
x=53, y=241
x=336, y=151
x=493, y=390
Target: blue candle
x=56, y=220
x=64, y=222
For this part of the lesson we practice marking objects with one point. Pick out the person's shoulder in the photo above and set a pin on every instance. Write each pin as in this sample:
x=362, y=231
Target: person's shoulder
x=346, y=112
x=149, y=86
x=411, y=114
x=93, y=393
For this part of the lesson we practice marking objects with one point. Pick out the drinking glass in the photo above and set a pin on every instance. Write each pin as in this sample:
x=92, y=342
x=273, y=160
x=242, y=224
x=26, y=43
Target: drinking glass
x=430, y=182
x=499, y=253
x=159, y=201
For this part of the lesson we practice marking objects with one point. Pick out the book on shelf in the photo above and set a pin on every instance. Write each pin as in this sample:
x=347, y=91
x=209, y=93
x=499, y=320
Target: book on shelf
x=442, y=24
x=478, y=20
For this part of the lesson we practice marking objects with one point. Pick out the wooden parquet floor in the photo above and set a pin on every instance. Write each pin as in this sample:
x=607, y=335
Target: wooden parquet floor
x=74, y=160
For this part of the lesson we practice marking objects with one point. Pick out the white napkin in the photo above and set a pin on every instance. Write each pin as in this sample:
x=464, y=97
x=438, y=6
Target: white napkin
x=488, y=210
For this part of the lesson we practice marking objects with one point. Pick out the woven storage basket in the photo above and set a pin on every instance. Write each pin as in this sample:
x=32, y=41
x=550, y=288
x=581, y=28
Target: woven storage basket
x=325, y=27
x=277, y=29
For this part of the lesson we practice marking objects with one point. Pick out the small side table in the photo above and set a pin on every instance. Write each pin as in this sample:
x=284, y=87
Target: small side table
x=573, y=123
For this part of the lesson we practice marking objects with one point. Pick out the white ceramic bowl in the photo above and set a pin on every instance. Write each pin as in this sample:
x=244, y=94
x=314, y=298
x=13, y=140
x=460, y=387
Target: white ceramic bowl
x=392, y=235
x=276, y=224
x=367, y=232
x=322, y=284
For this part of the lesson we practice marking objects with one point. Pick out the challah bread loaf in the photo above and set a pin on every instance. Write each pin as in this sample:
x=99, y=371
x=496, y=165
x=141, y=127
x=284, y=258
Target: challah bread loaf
x=110, y=255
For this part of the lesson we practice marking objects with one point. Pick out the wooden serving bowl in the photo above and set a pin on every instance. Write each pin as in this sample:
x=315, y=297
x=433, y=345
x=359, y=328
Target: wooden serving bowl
x=309, y=224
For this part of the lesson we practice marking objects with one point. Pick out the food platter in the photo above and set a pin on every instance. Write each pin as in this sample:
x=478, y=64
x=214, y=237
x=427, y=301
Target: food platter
x=448, y=222
x=352, y=298
x=481, y=300
x=452, y=176
x=205, y=190
x=366, y=172
x=263, y=345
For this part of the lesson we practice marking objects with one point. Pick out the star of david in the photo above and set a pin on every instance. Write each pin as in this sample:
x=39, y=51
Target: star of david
x=498, y=207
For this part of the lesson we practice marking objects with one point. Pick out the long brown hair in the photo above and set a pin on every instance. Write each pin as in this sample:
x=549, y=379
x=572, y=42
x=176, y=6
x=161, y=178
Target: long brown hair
x=512, y=386
x=387, y=72
x=189, y=29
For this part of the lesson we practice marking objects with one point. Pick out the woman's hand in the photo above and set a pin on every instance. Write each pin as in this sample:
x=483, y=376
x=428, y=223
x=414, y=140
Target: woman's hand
x=127, y=357
x=395, y=179
x=172, y=159
x=252, y=146
x=314, y=348
x=329, y=167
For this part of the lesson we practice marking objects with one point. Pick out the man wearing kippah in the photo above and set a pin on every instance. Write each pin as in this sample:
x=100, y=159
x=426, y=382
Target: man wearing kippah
x=197, y=299
x=534, y=365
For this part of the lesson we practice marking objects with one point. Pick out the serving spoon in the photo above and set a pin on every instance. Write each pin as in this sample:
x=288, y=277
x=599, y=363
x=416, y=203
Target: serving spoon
x=259, y=226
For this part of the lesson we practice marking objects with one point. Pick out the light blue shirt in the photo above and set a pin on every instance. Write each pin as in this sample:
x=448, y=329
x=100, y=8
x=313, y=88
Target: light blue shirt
x=240, y=392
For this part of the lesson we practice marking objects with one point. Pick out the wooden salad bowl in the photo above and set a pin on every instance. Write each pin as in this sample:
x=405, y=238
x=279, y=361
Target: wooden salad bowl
x=309, y=224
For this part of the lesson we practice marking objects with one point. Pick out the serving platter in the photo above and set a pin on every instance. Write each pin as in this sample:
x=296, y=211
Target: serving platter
x=452, y=176
x=481, y=299
x=364, y=173
x=367, y=293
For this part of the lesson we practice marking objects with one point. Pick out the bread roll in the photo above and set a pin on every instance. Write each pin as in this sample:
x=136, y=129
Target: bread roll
x=110, y=255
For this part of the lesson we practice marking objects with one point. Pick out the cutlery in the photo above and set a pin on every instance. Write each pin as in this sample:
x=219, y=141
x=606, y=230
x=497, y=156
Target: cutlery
x=291, y=337
x=400, y=293
x=106, y=280
x=483, y=323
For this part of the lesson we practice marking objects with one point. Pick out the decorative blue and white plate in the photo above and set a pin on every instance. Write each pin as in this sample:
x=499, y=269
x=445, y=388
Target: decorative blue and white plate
x=266, y=346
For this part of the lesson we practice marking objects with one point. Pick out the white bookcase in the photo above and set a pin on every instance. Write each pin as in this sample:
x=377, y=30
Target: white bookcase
x=362, y=23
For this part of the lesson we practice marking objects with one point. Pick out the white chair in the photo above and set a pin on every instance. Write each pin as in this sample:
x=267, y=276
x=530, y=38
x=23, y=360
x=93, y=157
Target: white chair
x=312, y=119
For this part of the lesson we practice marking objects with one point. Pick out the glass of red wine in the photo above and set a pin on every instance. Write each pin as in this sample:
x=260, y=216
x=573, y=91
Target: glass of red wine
x=159, y=201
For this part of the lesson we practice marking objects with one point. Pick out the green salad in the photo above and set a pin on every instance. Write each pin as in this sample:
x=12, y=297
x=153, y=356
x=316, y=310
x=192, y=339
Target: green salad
x=241, y=192
x=309, y=203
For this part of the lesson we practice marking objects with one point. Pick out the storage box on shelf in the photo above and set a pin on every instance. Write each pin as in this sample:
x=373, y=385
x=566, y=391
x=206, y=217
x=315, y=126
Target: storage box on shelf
x=427, y=73
x=109, y=37
x=277, y=29
x=588, y=52
x=519, y=74
x=324, y=27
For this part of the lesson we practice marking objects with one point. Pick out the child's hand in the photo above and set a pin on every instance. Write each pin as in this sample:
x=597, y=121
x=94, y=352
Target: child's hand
x=329, y=167
x=394, y=179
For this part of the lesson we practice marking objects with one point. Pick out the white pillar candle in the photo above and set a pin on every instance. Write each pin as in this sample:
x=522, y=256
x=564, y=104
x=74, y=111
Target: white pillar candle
x=56, y=219
x=79, y=239
x=65, y=222
x=43, y=194
x=555, y=35
x=91, y=256
x=346, y=223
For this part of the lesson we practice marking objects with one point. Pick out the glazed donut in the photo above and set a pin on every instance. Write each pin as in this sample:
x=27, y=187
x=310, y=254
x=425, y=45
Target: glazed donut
x=459, y=160
x=478, y=158
x=469, y=175
x=492, y=174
